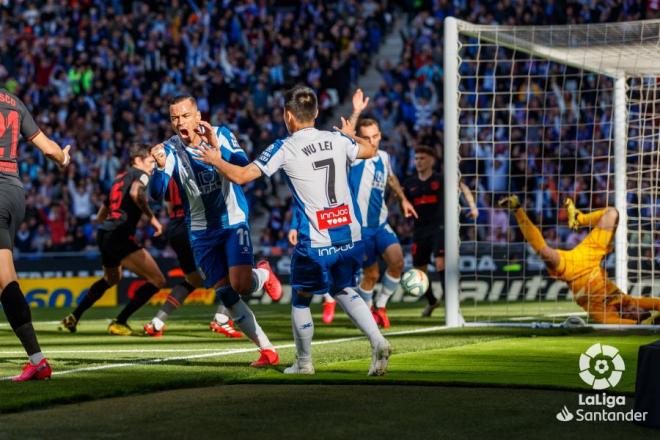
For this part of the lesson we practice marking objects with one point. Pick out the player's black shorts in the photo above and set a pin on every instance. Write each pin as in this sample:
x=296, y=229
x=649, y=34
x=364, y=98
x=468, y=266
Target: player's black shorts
x=177, y=235
x=12, y=212
x=115, y=246
x=426, y=242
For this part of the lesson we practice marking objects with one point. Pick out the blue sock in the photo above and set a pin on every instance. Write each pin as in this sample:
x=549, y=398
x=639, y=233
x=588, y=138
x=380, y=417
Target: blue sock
x=367, y=295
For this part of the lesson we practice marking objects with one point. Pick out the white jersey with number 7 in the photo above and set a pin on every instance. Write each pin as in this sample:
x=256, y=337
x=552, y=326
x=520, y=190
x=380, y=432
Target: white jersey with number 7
x=315, y=163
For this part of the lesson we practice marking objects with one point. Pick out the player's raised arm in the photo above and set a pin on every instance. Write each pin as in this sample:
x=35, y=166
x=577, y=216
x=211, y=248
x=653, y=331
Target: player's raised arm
x=360, y=103
x=51, y=150
x=209, y=153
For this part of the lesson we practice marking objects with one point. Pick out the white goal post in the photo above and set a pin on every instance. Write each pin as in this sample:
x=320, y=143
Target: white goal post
x=582, y=98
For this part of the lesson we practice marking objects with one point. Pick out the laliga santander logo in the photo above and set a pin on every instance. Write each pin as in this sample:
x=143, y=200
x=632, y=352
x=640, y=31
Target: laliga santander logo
x=601, y=366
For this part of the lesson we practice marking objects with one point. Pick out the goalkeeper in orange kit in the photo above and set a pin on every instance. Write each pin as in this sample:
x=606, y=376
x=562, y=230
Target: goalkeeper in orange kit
x=581, y=267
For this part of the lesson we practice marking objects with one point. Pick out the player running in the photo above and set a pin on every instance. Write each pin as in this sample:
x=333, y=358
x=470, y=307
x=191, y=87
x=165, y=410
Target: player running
x=15, y=119
x=216, y=214
x=177, y=236
x=427, y=196
x=581, y=267
x=368, y=179
x=118, y=217
x=329, y=252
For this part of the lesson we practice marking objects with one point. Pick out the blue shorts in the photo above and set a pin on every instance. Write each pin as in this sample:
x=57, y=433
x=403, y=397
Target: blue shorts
x=376, y=240
x=327, y=269
x=217, y=250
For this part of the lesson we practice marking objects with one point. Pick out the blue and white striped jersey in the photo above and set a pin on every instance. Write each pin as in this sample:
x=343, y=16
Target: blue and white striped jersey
x=315, y=164
x=368, y=180
x=210, y=201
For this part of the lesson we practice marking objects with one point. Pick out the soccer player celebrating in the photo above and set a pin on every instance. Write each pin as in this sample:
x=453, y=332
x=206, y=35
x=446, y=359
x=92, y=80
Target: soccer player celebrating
x=581, y=267
x=119, y=217
x=177, y=236
x=329, y=252
x=216, y=214
x=368, y=179
x=15, y=119
x=425, y=192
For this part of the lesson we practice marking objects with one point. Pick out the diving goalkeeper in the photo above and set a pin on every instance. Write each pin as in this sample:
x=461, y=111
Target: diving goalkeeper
x=581, y=267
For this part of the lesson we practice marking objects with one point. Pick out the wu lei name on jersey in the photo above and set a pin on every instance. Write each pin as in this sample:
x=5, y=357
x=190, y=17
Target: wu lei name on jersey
x=322, y=146
x=308, y=150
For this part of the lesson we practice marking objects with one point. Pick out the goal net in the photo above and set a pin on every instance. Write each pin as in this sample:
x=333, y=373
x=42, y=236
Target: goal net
x=546, y=113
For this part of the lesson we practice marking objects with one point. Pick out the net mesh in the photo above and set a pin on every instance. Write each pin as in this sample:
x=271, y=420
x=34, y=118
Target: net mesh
x=536, y=119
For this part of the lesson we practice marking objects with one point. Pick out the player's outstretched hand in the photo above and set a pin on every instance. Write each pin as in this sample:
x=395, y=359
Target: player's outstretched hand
x=293, y=237
x=408, y=209
x=206, y=154
x=158, y=228
x=474, y=213
x=360, y=102
x=206, y=132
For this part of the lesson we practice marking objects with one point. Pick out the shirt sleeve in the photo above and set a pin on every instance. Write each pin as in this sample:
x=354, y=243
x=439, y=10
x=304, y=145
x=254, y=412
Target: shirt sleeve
x=271, y=159
x=230, y=149
x=161, y=177
x=352, y=147
x=388, y=164
x=29, y=128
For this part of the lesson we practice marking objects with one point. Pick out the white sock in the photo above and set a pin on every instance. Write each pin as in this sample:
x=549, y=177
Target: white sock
x=367, y=295
x=359, y=313
x=259, y=277
x=221, y=318
x=303, y=332
x=36, y=358
x=158, y=324
x=390, y=285
x=328, y=298
x=244, y=318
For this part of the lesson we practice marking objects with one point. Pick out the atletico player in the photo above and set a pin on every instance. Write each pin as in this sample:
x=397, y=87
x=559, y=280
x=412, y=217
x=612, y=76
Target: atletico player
x=15, y=119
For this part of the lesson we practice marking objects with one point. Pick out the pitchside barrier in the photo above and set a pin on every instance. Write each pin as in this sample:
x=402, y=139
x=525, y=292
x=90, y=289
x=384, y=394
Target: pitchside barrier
x=505, y=272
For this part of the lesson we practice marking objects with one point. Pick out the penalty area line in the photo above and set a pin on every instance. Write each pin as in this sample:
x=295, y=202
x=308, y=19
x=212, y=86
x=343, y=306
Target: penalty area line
x=227, y=352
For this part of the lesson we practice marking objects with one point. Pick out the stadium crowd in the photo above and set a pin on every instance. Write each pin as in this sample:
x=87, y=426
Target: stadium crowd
x=98, y=75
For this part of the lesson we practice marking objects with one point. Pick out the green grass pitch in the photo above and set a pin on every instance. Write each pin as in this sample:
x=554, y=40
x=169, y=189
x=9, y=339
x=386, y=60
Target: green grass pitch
x=436, y=375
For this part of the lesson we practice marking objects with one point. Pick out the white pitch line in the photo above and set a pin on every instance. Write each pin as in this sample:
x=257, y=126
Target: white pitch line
x=127, y=350
x=229, y=352
x=552, y=315
x=5, y=324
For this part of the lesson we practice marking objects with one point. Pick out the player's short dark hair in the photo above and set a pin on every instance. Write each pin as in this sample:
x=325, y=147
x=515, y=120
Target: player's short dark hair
x=302, y=102
x=179, y=98
x=366, y=122
x=425, y=149
x=138, y=150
